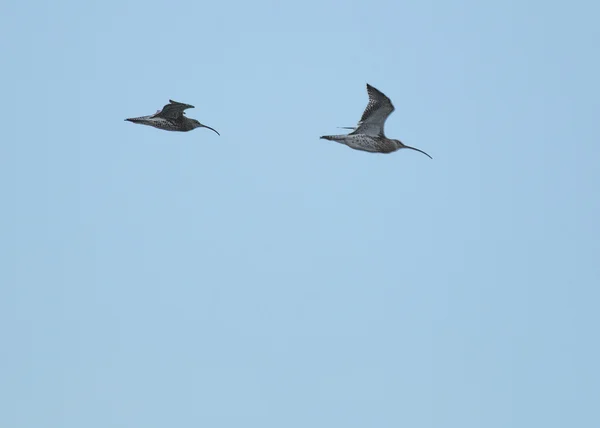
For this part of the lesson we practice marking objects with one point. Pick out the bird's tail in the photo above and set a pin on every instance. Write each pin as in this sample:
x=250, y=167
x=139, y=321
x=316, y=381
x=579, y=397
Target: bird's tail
x=138, y=119
x=334, y=137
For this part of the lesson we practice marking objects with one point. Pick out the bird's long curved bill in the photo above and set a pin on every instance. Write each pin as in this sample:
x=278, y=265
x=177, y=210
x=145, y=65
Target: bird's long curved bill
x=204, y=126
x=414, y=148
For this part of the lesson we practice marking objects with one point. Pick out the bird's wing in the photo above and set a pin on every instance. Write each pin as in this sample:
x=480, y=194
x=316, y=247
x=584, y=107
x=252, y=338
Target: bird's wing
x=374, y=116
x=173, y=110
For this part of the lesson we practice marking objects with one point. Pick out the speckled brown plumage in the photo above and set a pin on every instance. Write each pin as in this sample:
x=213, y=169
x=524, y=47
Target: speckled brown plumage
x=368, y=135
x=171, y=118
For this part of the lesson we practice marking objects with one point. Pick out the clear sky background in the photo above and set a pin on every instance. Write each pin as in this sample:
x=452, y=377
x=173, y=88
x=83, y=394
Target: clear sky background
x=267, y=278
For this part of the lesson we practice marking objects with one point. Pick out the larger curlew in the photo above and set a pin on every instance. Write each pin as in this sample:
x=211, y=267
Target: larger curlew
x=368, y=134
x=171, y=118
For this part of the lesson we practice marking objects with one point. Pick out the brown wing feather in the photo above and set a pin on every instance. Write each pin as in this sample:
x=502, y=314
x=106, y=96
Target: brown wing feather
x=173, y=110
x=377, y=111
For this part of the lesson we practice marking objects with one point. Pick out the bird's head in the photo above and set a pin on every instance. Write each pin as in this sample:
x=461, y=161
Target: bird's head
x=401, y=145
x=398, y=144
x=197, y=124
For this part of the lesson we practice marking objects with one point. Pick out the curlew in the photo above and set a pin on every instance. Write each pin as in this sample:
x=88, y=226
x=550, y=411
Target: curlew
x=368, y=134
x=171, y=118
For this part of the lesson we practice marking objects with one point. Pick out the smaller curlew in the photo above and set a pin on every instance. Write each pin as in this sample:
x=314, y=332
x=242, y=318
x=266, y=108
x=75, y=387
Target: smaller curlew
x=171, y=118
x=368, y=134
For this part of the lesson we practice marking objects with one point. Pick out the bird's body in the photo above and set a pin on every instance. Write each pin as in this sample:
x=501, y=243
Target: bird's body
x=171, y=118
x=182, y=125
x=368, y=135
x=366, y=143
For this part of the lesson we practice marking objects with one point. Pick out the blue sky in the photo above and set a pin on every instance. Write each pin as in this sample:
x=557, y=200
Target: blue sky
x=267, y=278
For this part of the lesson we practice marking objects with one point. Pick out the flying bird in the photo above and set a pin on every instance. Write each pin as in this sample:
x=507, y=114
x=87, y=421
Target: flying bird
x=368, y=134
x=171, y=118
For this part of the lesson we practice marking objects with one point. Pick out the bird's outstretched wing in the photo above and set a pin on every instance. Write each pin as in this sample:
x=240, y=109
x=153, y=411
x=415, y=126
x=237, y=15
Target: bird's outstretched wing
x=376, y=113
x=173, y=110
